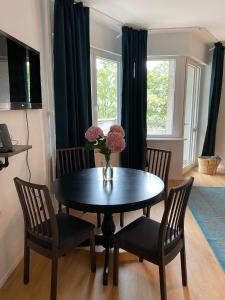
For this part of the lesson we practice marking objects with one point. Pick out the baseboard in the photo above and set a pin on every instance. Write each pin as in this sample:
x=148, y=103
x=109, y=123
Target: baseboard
x=222, y=168
x=177, y=178
x=10, y=271
x=189, y=168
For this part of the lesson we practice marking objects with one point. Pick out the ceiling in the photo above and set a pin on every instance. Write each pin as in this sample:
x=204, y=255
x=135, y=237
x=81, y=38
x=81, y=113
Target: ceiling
x=154, y=14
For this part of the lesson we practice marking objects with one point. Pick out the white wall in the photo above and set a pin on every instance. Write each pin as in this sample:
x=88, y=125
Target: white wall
x=189, y=44
x=105, y=38
x=23, y=20
x=176, y=147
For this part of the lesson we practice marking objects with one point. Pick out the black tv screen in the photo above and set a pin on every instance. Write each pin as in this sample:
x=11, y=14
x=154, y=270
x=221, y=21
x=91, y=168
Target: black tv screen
x=20, y=81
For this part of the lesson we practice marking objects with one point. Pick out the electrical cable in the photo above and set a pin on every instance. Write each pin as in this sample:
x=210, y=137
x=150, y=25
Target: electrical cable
x=28, y=138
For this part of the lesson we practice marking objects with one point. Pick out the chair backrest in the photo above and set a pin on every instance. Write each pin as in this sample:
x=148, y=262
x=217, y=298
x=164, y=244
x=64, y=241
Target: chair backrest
x=172, y=224
x=69, y=160
x=39, y=216
x=158, y=163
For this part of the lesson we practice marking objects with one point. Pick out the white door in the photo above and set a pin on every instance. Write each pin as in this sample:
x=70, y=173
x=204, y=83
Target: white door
x=193, y=73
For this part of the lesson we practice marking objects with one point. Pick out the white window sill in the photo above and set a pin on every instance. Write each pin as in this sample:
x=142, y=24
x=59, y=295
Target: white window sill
x=165, y=139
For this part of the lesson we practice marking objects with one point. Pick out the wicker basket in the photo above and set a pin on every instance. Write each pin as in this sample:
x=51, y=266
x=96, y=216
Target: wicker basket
x=208, y=164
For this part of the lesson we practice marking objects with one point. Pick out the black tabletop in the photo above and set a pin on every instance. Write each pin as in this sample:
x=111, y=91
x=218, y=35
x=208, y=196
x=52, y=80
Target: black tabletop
x=129, y=190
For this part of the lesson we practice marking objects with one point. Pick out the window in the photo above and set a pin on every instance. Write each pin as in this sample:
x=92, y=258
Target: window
x=193, y=74
x=105, y=89
x=160, y=96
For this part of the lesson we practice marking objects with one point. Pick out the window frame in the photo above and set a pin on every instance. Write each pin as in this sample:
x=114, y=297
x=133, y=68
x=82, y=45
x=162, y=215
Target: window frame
x=97, y=53
x=195, y=109
x=178, y=96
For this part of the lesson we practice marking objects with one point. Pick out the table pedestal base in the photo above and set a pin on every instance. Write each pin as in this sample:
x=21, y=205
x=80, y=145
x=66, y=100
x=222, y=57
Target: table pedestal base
x=108, y=229
x=106, y=240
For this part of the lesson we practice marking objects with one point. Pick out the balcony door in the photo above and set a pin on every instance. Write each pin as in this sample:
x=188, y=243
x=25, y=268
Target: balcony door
x=193, y=73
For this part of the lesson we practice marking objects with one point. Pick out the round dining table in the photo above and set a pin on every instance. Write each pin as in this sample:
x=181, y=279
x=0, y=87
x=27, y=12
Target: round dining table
x=129, y=190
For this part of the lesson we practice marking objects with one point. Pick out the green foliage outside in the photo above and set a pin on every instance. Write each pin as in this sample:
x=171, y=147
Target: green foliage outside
x=157, y=92
x=106, y=89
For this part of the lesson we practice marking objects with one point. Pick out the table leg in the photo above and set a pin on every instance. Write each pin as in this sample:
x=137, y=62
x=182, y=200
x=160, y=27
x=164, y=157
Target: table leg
x=108, y=229
x=106, y=266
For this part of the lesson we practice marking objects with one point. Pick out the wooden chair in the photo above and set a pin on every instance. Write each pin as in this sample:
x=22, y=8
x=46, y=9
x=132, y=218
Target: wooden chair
x=49, y=234
x=69, y=160
x=157, y=163
x=156, y=242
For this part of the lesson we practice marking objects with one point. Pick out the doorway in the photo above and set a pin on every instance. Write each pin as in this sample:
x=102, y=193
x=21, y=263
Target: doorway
x=193, y=73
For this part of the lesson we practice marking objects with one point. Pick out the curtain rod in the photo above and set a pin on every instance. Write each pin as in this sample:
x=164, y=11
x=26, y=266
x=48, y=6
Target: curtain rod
x=102, y=13
x=124, y=24
x=106, y=15
x=148, y=29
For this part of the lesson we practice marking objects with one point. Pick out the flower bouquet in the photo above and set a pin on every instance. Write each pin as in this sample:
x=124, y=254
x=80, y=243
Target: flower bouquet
x=113, y=142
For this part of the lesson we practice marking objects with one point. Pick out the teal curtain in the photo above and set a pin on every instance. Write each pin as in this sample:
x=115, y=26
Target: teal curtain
x=214, y=99
x=134, y=96
x=72, y=84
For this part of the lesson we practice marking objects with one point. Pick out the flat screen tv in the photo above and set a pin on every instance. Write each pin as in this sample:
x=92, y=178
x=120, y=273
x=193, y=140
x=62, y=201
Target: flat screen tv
x=20, y=81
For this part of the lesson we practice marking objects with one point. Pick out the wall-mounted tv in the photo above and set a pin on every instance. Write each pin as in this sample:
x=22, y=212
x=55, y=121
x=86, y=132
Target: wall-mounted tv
x=20, y=80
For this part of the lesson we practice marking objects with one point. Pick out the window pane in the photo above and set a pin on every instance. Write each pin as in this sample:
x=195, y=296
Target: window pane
x=107, y=85
x=160, y=96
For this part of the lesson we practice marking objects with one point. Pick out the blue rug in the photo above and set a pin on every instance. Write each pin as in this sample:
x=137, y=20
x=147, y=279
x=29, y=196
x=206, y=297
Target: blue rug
x=208, y=207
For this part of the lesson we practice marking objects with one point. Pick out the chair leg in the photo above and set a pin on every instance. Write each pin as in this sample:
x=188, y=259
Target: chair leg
x=116, y=265
x=148, y=212
x=92, y=251
x=162, y=277
x=60, y=207
x=54, y=278
x=67, y=210
x=183, y=266
x=99, y=222
x=121, y=219
x=144, y=211
x=26, y=264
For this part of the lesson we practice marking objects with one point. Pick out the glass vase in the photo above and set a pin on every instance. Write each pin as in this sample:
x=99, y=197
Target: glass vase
x=107, y=171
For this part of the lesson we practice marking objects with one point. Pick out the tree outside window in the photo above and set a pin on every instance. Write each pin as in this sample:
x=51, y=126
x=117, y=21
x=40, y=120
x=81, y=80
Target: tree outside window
x=160, y=96
x=107, y=92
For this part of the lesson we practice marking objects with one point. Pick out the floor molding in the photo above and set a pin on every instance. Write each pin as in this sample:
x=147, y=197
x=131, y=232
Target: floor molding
x=10, y=270
x=177, y=178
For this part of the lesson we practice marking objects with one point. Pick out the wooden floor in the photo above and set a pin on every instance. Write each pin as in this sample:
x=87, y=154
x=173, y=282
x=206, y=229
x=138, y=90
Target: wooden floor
x=206, y=280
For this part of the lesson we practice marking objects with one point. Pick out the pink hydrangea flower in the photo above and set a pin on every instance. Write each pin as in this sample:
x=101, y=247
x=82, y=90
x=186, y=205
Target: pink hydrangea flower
x=93, y=133
x=115, y=142
x=118, y=129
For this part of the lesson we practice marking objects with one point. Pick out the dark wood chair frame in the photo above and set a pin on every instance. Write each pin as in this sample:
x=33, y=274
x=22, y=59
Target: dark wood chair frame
x=69, y=160
x=37, y=211
x=171, y=240
x=157, y=163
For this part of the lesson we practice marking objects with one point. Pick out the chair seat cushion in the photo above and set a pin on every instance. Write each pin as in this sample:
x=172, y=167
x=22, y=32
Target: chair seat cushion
x=71, y=230
x=141, y=236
